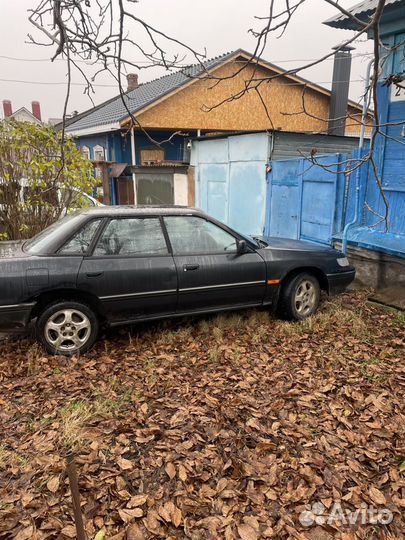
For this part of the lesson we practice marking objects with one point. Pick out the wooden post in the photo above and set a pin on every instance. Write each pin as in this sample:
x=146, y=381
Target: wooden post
x=74, y=489
x=106, y=184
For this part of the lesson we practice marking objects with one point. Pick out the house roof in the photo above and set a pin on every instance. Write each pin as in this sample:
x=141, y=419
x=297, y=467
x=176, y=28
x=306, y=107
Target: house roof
x=362, y=11
x=114, y=111
x=110, y=114
x=28, y=113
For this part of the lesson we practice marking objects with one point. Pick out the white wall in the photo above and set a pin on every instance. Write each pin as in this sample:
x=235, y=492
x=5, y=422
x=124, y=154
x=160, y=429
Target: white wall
x=180, y=189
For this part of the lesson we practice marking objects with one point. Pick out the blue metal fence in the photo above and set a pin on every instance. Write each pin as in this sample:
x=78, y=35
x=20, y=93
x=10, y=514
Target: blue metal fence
x=305, y=201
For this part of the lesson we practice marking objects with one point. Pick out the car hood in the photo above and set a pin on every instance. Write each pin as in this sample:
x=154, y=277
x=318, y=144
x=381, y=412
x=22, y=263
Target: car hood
x=289, y=244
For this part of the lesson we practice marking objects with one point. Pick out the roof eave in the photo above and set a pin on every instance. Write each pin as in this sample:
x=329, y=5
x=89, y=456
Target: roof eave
x=103, y=128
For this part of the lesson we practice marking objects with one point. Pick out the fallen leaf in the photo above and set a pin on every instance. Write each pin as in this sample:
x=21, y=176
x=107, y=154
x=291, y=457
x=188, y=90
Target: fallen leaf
x=182, y=473
x=100, y=535
x=69, y=531
x=170, y=470
x=127, y=514
x=137, y=500
x=53, y=484
x=377, y=496
x=125, y=464
x=134, y=532
x=246, y=532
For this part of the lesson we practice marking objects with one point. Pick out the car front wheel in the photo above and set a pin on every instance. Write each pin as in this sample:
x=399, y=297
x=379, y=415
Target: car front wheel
x=67, y=328
x=299, y=297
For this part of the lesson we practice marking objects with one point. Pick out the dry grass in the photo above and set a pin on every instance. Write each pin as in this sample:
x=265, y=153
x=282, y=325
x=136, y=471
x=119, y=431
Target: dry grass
x=73, y=419
x=333, y=313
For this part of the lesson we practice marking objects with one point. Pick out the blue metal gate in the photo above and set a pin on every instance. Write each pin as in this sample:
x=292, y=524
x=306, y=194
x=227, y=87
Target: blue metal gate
x=231, y=180
x=305, y=201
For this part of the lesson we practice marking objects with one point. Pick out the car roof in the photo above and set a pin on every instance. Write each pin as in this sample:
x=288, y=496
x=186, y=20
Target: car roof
x=135, y=210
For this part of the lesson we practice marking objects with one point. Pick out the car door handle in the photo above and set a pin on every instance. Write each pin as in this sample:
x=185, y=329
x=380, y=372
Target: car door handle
x=94, y=274
x=189, y=267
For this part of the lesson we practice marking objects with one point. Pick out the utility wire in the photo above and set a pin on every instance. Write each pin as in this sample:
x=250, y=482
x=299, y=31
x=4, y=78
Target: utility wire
x=90, y=63
x=49, y=83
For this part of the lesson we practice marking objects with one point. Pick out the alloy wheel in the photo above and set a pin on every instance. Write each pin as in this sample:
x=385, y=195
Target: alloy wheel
x=305, y=298
x=67, y=330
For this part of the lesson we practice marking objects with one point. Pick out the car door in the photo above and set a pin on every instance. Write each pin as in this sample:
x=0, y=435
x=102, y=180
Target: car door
x=131, y=270
x=211, y=274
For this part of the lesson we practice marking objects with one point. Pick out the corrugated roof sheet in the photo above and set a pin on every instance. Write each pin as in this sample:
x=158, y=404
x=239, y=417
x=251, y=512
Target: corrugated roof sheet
x=113, y=110
x=361, y=10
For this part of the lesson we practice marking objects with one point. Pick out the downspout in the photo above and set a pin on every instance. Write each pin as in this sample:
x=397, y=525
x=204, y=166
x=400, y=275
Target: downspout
x=361, y=142
x=133, y=159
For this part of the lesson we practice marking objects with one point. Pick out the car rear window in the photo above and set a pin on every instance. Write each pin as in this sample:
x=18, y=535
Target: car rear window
x=44, y=242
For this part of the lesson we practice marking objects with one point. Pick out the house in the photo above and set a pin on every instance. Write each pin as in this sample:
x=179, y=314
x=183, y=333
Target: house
x=376, y=244
x=22, y=114
x=153, y=154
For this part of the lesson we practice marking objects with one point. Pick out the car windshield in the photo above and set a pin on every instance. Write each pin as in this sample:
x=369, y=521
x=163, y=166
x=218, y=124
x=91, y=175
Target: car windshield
x=41, y=243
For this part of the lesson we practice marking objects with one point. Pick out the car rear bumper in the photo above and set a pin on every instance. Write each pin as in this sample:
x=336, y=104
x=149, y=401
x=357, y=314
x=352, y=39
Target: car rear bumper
x=339, y=281
x=15, y=316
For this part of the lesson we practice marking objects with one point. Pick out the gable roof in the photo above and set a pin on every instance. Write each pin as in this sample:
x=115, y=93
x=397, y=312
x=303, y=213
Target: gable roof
x=114, y=111
x=362, y=11
x=28, y=113
x=110, y=114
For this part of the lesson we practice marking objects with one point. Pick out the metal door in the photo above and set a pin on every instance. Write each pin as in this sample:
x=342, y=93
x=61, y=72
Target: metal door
x=304, y=199
x=231, y=180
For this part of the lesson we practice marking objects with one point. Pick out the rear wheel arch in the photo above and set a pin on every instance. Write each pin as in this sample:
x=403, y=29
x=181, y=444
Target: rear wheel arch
x=45, y=299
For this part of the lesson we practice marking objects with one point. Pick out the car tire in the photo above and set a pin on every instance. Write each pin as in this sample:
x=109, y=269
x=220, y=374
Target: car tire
x=299, y=297
x=67, y=328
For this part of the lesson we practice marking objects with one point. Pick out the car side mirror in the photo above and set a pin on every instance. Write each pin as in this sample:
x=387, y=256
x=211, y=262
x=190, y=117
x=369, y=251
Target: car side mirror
x=240, y=246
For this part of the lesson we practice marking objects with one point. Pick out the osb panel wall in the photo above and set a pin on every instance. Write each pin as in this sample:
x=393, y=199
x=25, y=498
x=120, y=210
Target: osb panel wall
x=353, y=123
x=185, y=109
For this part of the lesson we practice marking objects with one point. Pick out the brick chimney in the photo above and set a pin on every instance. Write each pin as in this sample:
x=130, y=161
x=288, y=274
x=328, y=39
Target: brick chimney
x=132, y=81
x=36, y=109
x=7, y=108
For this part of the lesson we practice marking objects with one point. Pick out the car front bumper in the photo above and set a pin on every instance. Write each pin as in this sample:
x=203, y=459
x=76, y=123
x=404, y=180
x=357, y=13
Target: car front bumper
x=339, y=281
x=15, y=316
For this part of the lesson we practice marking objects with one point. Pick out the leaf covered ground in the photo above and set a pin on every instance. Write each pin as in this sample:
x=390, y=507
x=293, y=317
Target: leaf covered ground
x=226, y=427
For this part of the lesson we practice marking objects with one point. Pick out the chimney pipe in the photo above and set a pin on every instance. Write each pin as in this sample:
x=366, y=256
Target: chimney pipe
x=132, y=81
x=36, y=109
x=340, y=91
x=7, y=108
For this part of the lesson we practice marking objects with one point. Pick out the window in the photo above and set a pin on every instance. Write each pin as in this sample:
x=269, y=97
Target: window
x=81, y=241
x=99, y=153
x=85, y=150
x=196, y=235
x=51, y=237
x=132, y=236
x=154, y=187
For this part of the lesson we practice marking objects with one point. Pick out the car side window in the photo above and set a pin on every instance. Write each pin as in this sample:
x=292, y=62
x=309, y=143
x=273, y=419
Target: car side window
x=81, y=241
x=132, y=236
x=190, y=234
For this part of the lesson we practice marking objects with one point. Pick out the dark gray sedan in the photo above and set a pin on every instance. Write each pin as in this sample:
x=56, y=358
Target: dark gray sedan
x=118, y=265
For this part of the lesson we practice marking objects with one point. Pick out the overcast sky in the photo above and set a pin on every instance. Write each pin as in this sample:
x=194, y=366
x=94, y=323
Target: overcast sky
x=217, y=25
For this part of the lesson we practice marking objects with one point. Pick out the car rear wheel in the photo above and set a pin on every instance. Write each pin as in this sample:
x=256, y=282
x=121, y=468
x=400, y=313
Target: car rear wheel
x=67, y=328
x=299, y=297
